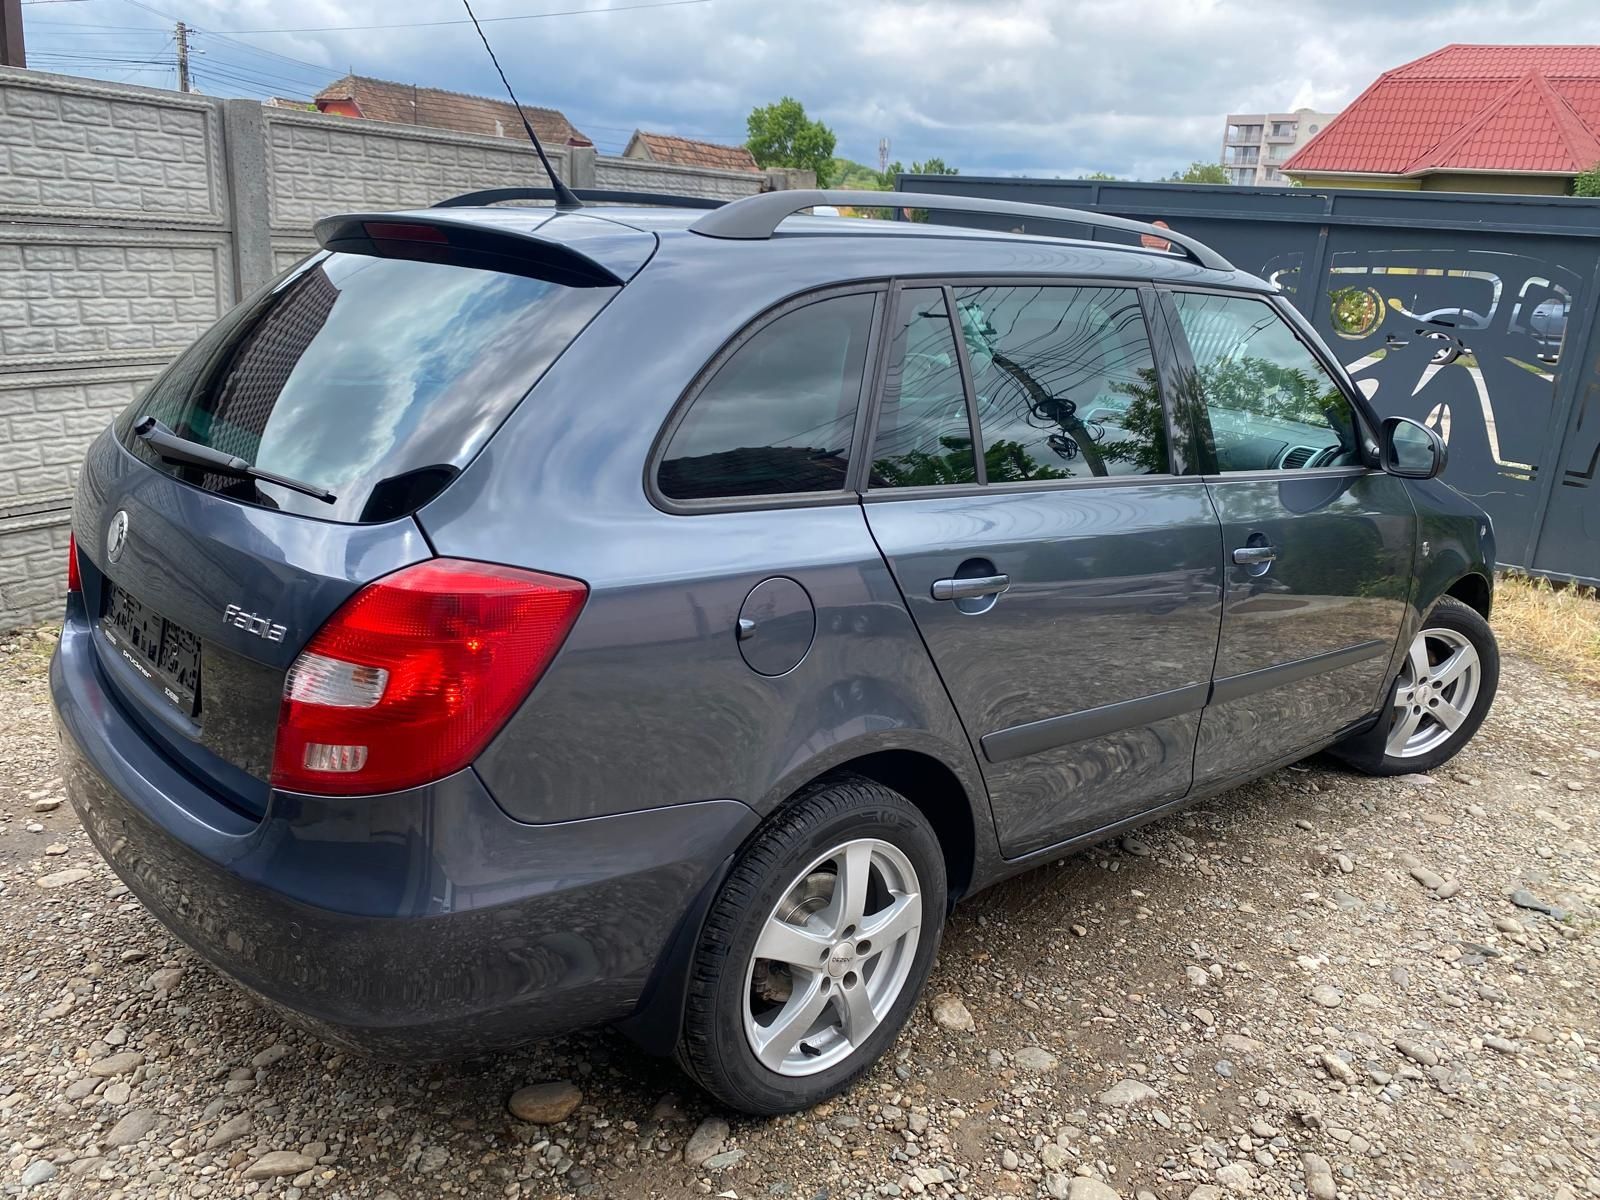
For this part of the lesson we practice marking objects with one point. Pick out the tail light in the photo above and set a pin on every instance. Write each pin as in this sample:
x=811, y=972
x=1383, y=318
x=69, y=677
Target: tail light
x=74, y=580
x=415, y=673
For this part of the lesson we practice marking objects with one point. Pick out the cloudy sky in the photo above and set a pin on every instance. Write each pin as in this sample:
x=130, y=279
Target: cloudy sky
x=1049, y=87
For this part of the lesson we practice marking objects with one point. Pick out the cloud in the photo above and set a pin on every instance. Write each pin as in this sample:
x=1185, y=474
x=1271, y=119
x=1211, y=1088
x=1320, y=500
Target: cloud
x=1133, y=87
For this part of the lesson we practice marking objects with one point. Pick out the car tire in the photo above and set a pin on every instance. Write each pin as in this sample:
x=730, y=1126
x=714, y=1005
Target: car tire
x=1462, y=687
x=768, y=1035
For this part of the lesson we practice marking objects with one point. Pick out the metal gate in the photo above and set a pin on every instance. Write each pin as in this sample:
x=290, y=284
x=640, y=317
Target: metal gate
x=1476, y=314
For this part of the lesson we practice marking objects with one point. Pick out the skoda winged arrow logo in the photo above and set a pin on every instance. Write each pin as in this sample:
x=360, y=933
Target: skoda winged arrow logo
x=117, y=535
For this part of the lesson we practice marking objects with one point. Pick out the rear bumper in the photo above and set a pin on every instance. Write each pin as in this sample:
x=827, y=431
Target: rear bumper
x=421, y=923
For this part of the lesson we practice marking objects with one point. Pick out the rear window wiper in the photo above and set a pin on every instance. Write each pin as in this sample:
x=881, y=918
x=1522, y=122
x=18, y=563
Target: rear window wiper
x=172, y=448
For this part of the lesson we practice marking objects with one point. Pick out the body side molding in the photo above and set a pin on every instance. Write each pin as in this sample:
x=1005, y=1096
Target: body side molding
x=1232, y=687
x=1036, y=736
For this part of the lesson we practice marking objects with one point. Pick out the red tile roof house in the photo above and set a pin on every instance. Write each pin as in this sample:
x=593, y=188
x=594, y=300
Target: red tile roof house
x=408, y=104
x=685, y=152
x=1466, y=119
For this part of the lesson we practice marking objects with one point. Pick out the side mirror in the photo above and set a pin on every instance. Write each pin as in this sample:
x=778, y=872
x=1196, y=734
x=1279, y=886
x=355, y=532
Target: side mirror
x=1410, y=450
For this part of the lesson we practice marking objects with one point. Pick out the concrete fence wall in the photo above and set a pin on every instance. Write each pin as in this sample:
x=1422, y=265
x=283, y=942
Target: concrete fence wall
x=130, y=219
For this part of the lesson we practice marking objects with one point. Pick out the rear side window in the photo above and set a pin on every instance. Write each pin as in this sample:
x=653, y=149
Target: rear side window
x=1065, y=382
x=924, y=435
x=377, y=379
x=778, y=415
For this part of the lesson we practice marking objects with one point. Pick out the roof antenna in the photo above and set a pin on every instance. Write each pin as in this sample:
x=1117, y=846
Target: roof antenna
x=566, y=198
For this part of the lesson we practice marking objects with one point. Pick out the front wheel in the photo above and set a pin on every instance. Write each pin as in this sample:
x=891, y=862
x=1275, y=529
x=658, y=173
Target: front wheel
x=1439, y=700
x=815, y=949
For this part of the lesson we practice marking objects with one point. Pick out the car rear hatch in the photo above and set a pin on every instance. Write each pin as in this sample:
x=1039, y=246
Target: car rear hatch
x=368, y=378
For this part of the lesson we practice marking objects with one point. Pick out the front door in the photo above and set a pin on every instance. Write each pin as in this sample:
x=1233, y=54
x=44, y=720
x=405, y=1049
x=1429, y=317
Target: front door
x=1066, y=582
x=1318, y=547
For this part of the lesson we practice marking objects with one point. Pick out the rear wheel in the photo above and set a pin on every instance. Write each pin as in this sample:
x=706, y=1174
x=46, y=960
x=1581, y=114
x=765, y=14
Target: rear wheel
x=815, y=950
x=1440, y=698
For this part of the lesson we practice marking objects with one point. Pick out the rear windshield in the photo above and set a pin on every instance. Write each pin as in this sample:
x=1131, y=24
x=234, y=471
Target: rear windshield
x=375, y=379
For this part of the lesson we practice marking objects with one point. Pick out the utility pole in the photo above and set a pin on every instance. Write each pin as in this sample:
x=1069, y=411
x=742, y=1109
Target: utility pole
x=12, y=53
x=182, y=36
x=883, y=155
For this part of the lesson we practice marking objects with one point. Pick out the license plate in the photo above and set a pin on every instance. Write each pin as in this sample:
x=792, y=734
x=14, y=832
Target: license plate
x=162, y=651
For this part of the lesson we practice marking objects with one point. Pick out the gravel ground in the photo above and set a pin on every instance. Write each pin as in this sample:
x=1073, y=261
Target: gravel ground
x=1316, y=985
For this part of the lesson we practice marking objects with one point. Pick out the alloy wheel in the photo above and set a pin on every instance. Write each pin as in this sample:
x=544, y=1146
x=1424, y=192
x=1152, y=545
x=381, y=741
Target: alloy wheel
x=1434, y=695
x=832, y=957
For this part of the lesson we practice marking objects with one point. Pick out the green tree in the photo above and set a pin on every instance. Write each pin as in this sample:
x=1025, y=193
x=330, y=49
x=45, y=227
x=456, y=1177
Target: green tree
x=781, y=135
x=1097, y=175
x=1145, y=424
x=1004, y=460
x=1588, y=182
x=1200, y=172
x=1263, y=388
x=934, y=166
x=854, y=176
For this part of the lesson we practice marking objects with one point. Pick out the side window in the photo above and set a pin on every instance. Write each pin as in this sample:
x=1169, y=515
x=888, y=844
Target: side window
x=1065, y=382
x=924, y=436
x=1271, y=404
x=777, y=416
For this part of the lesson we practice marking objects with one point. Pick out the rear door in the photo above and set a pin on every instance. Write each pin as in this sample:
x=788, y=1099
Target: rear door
x=1318, y=547
x=372, y=378
x=1064, y=577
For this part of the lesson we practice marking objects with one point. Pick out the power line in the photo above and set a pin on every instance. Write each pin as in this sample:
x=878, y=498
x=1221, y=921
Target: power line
x=93, y=60
x=159, y=60
x=570, y=12
x=294, y=64
x=215, y=82
x=85, y=25
x=289, y=73
x=219, y=65
x=233, y=73
x=289, y=65
x=139, y=4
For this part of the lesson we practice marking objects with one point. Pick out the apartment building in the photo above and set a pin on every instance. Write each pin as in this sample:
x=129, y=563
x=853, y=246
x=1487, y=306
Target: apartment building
x=1256, y=145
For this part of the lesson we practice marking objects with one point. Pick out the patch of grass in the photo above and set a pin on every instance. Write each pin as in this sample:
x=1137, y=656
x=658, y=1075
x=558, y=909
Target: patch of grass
x=1558, y=625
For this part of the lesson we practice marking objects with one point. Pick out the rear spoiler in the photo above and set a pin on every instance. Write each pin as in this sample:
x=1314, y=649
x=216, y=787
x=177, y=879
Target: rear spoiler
x=574, y=251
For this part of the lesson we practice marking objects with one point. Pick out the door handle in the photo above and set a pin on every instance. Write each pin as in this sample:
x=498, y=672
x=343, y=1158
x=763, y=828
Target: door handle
x=1254, y=556
x=970, y=589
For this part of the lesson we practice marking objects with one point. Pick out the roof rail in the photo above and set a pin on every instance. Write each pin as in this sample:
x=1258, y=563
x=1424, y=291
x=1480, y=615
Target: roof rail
x=757, y=217
x=496, y=195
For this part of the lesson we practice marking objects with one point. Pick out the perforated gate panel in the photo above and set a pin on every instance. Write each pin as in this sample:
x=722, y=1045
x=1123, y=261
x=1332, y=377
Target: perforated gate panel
x=1475, y=314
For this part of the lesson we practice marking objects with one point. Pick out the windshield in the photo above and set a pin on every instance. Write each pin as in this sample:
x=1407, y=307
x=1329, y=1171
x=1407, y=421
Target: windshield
x=377, y=379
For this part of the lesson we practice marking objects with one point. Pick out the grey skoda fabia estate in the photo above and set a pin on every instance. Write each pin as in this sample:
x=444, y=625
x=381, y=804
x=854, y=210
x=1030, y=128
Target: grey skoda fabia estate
x=514, y=619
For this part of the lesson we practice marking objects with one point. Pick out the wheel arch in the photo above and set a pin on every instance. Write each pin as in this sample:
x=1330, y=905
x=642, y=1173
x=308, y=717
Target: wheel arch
x=1475, y=591
x=946, y=788
x=948, y=792
x=938, y=794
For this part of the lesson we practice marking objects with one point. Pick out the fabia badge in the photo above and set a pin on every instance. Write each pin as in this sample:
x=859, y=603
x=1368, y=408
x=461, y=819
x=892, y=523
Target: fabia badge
x=117, y=535
x=250, y=622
